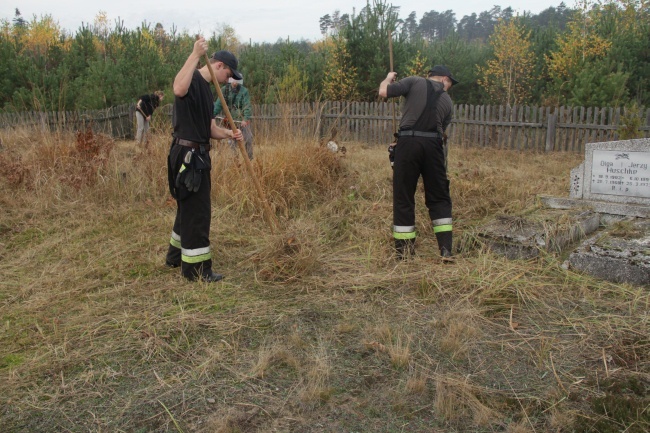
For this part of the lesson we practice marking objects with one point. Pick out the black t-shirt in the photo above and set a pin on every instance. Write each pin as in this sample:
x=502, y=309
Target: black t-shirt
x=192, y=115
x=148, y=103
x=414, y=89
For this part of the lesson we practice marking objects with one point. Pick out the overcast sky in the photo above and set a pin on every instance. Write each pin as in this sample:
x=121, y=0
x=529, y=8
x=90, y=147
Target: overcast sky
x=255, y=20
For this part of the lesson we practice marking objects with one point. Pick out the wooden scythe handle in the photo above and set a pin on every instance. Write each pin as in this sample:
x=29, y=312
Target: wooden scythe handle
x=268, y=214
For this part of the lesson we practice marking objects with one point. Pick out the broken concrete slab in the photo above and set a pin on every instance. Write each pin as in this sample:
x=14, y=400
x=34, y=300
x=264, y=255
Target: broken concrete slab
x=620, y=254
x=523, y=237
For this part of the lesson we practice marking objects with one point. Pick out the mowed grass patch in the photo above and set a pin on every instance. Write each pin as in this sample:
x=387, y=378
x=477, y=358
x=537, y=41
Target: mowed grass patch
x=316, y=327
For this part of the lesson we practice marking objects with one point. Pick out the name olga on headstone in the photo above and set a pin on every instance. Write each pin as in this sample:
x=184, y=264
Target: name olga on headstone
x=620, y=173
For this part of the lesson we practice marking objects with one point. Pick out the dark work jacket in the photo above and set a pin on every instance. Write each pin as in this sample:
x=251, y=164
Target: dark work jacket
x=148, y=104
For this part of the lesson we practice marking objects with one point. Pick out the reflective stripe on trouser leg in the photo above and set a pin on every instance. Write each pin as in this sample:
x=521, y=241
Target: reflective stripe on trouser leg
x=175, y=240
x=442, y=225
x=196, y=255
x=174, y=250
x=442, y=228
x=404, y=232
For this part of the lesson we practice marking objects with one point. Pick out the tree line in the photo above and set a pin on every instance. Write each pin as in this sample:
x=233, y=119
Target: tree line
x=597, y=54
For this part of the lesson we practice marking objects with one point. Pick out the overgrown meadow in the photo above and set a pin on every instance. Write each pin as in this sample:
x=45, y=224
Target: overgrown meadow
x=317, y=327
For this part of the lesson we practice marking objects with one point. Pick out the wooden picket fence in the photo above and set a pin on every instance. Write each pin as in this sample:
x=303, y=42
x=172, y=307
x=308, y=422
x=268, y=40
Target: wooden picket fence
x=116, y=121
x=542, y=129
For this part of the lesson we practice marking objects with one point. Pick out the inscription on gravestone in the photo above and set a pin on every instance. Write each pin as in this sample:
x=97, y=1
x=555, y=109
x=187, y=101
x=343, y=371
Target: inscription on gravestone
x=621, y=173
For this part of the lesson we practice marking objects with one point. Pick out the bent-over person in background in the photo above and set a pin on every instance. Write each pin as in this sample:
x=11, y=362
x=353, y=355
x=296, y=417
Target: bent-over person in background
x=144, y=109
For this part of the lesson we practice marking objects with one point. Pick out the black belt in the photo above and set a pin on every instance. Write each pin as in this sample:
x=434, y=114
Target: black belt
x=411, y=133
x=192, y=144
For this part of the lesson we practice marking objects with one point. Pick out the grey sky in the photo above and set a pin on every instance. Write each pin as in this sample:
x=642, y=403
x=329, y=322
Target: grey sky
x=256, y=20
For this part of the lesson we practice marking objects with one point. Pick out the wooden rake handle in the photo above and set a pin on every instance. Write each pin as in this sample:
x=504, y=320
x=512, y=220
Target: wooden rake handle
x=268, y=214
x=392, y=69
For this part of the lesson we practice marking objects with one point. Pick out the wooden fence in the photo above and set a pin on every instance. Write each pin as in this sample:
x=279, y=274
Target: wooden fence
x=519, y=127
x=117, y=121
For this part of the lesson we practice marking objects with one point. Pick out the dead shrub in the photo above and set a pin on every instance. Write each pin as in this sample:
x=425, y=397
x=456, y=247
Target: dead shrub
x=13, y=170
x=89, y=158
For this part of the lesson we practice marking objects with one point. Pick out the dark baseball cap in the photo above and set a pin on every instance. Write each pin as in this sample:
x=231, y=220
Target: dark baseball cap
x=442, y=71
x=228, y=59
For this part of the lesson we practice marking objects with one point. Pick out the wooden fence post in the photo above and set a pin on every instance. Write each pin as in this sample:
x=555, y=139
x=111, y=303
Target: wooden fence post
x=550, y=131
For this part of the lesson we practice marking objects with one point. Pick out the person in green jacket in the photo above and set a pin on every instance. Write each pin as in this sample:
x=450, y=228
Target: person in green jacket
x=239, y=103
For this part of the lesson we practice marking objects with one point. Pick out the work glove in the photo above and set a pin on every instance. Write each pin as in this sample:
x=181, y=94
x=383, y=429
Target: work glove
x=186, y=175
x=195, y=174
x=193, y=180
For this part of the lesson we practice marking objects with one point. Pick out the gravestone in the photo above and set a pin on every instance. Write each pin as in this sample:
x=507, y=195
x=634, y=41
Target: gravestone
x=614, y=181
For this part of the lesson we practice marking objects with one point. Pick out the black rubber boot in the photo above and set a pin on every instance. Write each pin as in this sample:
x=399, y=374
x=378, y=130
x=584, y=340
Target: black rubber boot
x=207, y=277
x=444, y=243
x=211, y=277
x=405, y=248
x=173, y=259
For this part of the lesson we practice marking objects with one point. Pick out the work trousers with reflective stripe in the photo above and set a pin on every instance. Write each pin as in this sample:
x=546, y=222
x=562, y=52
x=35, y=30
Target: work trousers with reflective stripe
x=190, y=241
x=415, y=157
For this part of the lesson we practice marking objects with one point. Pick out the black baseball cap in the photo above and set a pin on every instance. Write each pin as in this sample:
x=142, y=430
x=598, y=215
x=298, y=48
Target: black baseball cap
x=442, y=71
x=228, y=59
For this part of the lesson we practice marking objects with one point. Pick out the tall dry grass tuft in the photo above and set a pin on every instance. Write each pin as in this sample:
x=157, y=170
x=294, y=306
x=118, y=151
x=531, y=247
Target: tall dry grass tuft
x=416, y=382
x=458, y=402
x=459, y=331
x=296, y=176
x=273, y=355
x=396, y=344
x=315, y=387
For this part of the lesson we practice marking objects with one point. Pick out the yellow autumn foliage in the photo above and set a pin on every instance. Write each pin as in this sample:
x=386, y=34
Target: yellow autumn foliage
x=417, y=65
x=507, y=77
x=339, y=82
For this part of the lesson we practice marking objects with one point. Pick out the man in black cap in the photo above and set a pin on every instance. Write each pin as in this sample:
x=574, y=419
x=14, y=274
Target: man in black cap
x=188, y=163
x=420, y=151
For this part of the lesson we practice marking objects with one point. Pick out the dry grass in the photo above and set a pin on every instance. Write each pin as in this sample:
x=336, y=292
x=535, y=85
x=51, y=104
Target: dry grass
x=317, y=328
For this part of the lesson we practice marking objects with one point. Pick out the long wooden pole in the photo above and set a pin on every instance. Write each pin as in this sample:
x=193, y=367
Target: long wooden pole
x=392, y=69
x=268, y=214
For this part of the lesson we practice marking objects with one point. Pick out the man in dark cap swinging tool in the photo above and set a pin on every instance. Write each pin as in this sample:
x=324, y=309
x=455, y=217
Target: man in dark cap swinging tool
x=188, y=164
x=420, y=151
